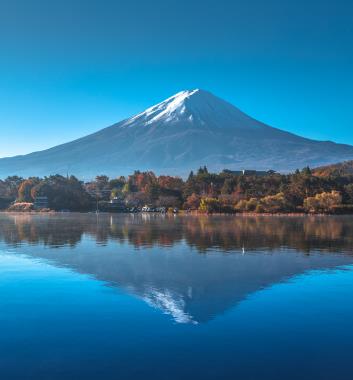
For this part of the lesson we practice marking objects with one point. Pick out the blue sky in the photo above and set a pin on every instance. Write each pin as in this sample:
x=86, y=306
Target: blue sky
x=69, y=68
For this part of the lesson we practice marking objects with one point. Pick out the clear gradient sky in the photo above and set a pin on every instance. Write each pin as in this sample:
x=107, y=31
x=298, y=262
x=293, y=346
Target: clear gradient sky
x=70, y=67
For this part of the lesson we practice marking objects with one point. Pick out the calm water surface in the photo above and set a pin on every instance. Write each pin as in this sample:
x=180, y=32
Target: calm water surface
x=153, y=297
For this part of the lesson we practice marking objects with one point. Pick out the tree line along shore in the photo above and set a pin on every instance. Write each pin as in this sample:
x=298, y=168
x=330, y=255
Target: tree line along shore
x=304, y=191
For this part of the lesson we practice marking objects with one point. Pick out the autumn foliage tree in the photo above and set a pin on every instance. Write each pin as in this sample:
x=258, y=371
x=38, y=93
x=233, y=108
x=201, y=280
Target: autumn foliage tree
x=209, y=205
x=227, y=191
x=25, y=190
x=192, y=202
x=324, y=202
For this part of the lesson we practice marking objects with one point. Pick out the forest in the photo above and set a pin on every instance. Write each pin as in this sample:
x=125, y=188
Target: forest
x=304, y=191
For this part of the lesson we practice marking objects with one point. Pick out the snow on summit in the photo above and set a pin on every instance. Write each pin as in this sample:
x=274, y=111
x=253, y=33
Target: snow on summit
x=197, y=107
x=168, y=109
x=172, y=107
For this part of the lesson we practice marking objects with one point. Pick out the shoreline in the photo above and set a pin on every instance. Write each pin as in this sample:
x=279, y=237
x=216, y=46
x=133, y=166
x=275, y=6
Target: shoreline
x=180, y=213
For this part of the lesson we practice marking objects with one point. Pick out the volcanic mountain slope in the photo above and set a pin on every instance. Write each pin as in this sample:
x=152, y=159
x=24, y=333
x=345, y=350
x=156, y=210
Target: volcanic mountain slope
x=190, y=129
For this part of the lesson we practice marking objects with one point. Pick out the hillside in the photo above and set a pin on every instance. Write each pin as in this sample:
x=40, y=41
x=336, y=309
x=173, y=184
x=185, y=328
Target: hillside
x=342, y=169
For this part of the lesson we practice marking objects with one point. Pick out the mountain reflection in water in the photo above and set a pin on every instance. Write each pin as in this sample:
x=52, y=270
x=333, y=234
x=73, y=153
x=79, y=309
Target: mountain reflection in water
x=190, y=267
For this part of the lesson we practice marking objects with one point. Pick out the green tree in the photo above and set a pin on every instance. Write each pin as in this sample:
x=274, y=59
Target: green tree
x=63, y=193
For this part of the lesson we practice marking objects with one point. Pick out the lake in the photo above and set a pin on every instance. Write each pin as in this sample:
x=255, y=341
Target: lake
x=142, y=296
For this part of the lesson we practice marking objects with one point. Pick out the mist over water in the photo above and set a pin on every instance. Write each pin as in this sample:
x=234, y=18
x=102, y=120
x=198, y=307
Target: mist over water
x=168, y=297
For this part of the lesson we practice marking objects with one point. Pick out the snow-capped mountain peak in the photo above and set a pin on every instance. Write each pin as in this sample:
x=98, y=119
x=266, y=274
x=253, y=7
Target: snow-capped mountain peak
x=166, y=110
x=175, y=106
x=197, y=107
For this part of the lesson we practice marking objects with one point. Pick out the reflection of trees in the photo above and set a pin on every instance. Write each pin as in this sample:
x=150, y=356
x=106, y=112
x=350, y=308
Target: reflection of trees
x=202, y=232
x=50, y=231
x=301, y=233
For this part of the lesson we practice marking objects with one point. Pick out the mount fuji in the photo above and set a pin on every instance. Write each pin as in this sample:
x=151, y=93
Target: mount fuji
x=190, y=129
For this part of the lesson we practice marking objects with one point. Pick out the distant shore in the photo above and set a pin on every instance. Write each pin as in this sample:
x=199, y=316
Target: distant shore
x=229, y=192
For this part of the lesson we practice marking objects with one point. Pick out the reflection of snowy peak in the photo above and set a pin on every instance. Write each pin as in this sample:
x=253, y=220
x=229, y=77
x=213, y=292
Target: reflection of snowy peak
x=189, y=129
x=190, y=268
x=188, y=286
x=169, y=303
